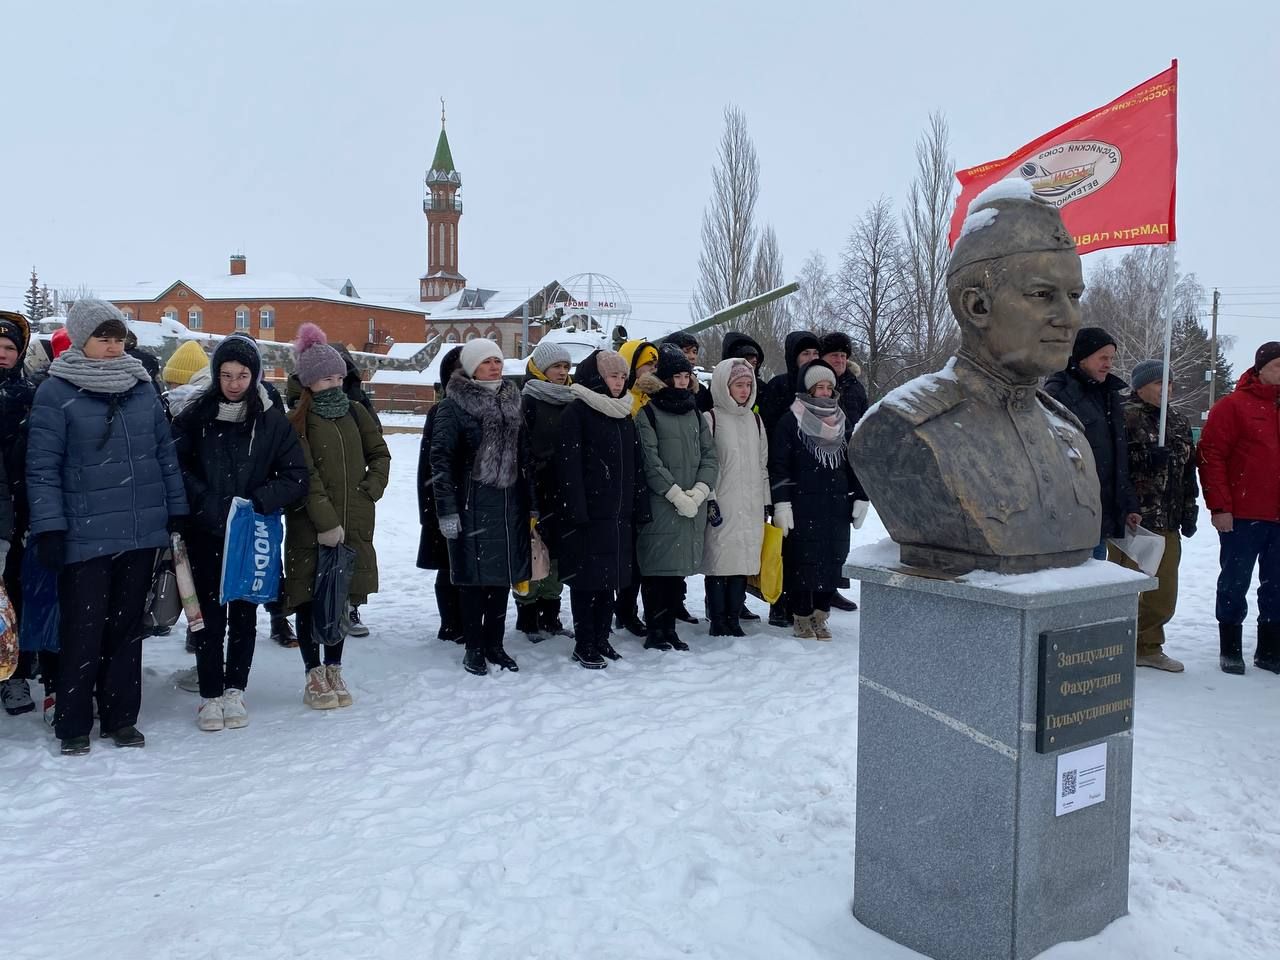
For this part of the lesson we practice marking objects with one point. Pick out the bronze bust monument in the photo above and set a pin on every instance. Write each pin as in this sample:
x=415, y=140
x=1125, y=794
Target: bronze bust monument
x=974, y=467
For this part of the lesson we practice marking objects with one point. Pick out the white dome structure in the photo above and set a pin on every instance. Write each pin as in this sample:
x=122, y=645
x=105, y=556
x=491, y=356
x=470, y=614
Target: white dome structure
x=598, y=296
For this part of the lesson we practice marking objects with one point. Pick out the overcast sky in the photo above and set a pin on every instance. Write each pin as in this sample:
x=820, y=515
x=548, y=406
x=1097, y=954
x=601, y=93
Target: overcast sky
x=148, y=141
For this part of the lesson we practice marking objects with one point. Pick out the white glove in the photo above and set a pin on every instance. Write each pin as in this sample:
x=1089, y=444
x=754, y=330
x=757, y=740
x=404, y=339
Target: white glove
x=450, y=526
x=682, y=502
x=782, y=518
x=860, y=508
x=699, y=493
x=330, y=538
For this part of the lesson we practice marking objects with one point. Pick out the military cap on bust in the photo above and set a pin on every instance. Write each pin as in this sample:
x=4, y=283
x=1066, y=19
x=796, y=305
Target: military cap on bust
x=1005, y=219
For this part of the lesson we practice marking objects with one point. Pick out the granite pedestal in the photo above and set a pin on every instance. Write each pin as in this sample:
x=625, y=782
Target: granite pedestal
x=959, y=852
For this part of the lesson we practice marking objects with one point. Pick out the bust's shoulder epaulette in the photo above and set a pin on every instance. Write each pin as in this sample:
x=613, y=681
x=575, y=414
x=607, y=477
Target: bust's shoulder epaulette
x=920, y=400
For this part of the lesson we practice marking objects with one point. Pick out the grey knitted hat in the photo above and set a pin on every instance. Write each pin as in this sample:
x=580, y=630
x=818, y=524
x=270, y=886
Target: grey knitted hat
x=547, y=354
x=86, y=316
x=1148, y=371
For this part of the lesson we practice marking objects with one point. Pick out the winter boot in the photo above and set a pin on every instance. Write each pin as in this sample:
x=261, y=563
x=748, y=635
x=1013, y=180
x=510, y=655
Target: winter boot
x=1231, y=657
x=655, y=639
x=357, y=627
x=234, y=714
x=473, y=661
x=125, y=737
x=820, y=631
x=549, y=620
x=673, y=638
x=778, y=615
x=209, y=716
x=746, y=614
x=684, y=616
x=734, y=604
x=527, y=621
x=74, y=747
x=282, y=631
x=605, y=648
x=840, y=602
x=802, y=627
x=15, y=695
x=318, y=694
x=632, y=623
x=1267, y=655
x=499, y=658
x=333, y=673
x=715, y=598
x=587, y=656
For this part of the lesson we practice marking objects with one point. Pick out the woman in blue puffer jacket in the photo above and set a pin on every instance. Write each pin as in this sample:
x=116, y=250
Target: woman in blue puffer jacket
x=104, y=490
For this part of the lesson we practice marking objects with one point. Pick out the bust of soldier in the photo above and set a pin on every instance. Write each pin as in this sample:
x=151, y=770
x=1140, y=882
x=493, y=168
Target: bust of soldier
x=974, y=467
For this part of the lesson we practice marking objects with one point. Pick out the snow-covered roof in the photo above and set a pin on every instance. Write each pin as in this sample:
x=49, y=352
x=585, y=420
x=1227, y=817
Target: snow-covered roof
x=258, y=286
x=493, y=305
x=431, y=376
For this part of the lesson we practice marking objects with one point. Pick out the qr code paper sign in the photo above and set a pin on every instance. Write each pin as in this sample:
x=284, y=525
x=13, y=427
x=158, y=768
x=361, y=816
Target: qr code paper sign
x=1082, y=779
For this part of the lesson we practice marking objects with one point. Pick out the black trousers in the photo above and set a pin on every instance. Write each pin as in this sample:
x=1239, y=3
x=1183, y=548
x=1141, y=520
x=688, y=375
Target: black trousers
x=725, y=597
x=1251, y=543
x=237, y=622
x=662, y=598
x=309, y=648
x=484, y=616
x=592, y=615
x=804, y=602
x=449, y=603
x=101, y=603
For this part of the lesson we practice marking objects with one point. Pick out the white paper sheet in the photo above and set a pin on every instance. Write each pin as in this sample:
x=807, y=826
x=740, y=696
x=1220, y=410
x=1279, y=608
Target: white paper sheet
x=1082, y=779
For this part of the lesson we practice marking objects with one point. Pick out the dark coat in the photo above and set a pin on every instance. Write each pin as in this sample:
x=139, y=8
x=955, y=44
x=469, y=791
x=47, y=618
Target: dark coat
x=259, y=459
x=542, y=426
x=1100, y=410
x=102, y=468
x=6, y=507
x=349, y=465
x=853, y=395
x=433, y=548
x=17, y=393
x=1163, y=478
x=602, y=498
x=492, y=548
x=821, y=498
x=781, y=390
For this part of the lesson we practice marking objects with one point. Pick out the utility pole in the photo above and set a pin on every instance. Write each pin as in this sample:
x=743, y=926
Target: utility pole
x=1213, y=351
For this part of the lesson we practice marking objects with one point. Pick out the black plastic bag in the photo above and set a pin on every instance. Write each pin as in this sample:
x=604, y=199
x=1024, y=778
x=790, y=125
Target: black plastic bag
x=331, y=606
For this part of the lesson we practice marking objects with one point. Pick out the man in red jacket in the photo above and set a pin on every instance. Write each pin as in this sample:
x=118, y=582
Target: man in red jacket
x=1240, y=476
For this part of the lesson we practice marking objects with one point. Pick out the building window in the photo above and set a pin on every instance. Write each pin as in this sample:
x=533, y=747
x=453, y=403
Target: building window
x=472, y=335
x=170, y=313
x=373, y=332
x=195, y=320
x=242, y=319
x=266, y=318
x=452, y=337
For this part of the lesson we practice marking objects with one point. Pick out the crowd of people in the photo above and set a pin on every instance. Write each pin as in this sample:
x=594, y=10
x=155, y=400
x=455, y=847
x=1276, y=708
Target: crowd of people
x=617, y=479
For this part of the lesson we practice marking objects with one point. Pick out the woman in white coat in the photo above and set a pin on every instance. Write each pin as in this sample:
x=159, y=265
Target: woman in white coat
x=736, y=514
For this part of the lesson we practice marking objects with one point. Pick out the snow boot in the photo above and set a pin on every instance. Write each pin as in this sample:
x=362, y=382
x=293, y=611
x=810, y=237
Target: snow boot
x=282, y=631
x=820, y=630
x=684, y=616
x=632, y=623
x=714, y=599
x=778, y=615
x=357, y=627
x=333, y=673
x=1160, y=661
x=129, y=736
x=473, y=661
x=318, y=695
x=802, y=627
x=839, y=602
x=673, y=638
x=500, y=658
x=15, y=695
x=527, y=621
x=606, y=649
x=209, y=716
x=549, y=619
x=1267, y=654
x=746, y=614
x=234, y=714
x=655, y=639
x=1230, y=641
x=588, y=657
x=74, y=747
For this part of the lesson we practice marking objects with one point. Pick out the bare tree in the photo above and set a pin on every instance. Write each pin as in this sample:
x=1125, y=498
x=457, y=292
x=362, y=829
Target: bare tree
x=728, y=224
x=871, y=297
x=933, y=334
x=767, y=325
x=811, y=306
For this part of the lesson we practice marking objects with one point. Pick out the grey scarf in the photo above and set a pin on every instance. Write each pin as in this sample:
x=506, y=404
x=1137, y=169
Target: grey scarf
x=118, y=375
x=821, y=426
x=616, y=407
x=548, y=392
x=501, y=417
x=232, y=412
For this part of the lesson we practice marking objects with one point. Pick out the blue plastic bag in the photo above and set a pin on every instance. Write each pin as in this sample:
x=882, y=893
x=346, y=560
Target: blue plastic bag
x=251, y=554
x=38, y=625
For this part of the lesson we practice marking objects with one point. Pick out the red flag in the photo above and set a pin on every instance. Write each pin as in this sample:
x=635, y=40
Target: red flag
x=1111, y=172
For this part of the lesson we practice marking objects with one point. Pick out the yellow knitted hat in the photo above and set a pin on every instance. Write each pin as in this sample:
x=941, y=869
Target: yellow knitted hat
x=188, y=360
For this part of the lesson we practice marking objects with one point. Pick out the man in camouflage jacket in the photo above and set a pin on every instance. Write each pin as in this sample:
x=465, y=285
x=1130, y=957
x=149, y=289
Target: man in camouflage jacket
x=1164, y=479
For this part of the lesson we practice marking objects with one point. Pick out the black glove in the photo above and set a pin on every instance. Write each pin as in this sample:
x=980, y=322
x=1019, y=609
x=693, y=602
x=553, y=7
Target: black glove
x=51, y=550
x=1188, y=528
x=1159, y=457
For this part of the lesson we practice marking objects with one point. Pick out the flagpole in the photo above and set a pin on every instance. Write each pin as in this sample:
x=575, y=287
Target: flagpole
x=1168, y=336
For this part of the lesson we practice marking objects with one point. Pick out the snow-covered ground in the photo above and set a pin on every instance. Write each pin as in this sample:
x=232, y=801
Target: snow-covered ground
x=674, y=805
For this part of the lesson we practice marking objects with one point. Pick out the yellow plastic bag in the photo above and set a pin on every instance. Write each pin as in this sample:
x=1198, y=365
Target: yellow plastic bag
x=769, y=580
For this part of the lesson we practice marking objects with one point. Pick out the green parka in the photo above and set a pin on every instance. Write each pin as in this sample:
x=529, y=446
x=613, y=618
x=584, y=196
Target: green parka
x=349, y=465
